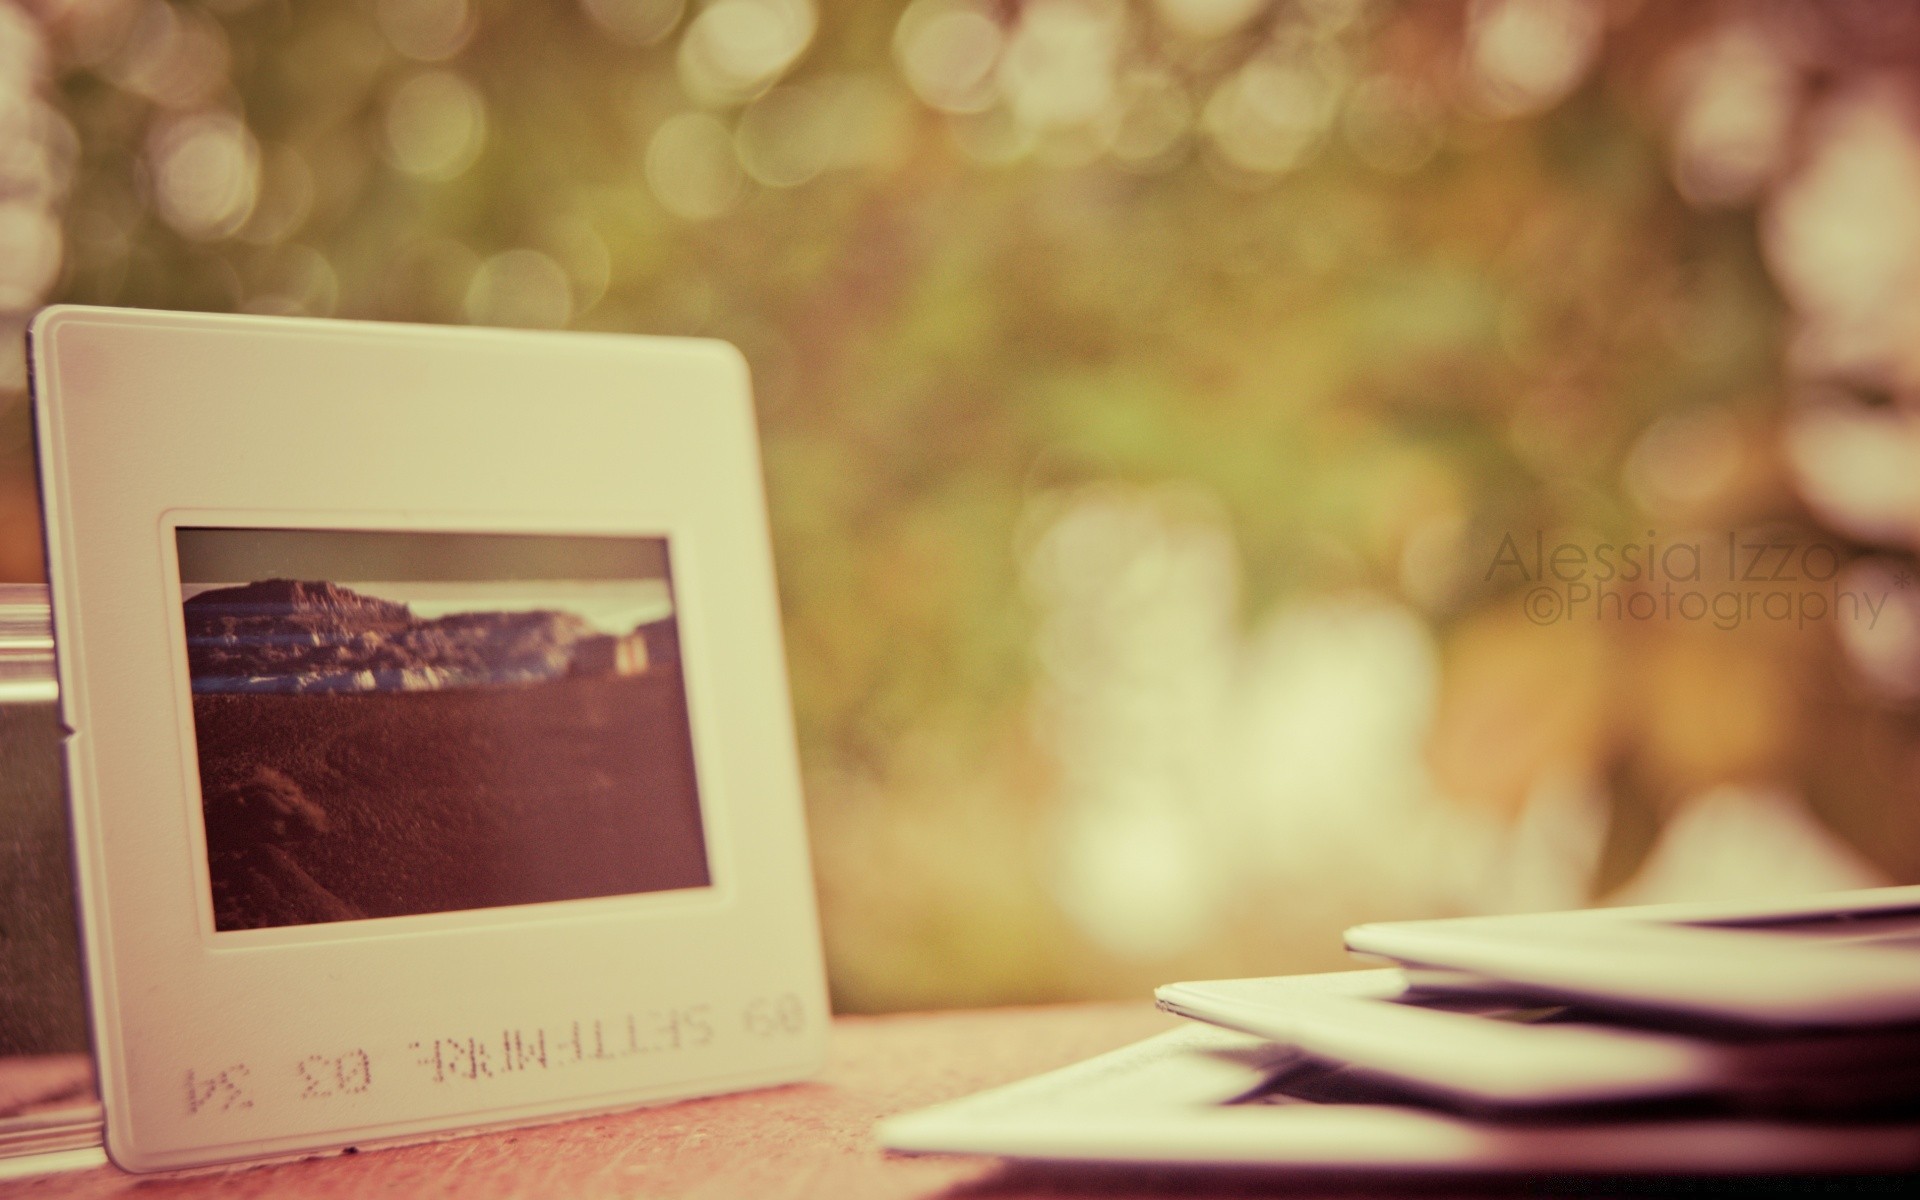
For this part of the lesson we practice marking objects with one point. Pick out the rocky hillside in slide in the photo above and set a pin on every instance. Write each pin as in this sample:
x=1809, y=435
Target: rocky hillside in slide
x=285, y=635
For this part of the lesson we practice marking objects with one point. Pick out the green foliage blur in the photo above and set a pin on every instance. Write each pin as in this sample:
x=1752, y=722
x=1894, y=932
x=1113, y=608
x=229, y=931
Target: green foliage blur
x=1363, y=286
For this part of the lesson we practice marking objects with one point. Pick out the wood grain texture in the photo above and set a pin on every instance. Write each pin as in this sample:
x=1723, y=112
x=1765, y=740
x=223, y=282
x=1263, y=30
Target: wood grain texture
x=807, y=1140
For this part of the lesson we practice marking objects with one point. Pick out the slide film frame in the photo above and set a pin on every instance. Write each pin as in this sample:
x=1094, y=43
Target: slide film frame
x=316, y=1034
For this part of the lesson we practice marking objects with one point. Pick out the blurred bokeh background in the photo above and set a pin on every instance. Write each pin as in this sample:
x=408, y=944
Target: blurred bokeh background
x=1189, y=424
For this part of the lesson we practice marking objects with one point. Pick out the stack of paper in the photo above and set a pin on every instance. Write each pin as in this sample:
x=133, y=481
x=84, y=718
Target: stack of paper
x=47, y=1100
x=1657, y=1041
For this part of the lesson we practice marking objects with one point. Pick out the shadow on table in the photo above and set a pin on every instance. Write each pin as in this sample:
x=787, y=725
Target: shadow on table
x=1027, y=1181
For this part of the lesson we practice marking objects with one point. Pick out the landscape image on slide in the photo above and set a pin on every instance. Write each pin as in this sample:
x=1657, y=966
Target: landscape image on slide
x=391, y=724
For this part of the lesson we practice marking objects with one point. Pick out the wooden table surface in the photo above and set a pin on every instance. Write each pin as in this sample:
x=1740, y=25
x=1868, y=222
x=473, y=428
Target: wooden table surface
x=807, y=1140
x=815, y=1139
